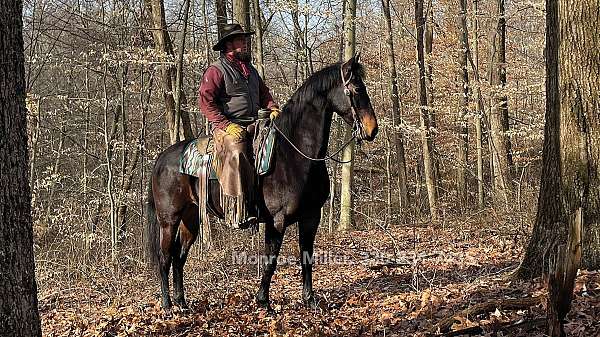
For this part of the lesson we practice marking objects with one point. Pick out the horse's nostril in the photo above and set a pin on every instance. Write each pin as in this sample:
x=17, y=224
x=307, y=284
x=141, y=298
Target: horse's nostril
x=374, y=132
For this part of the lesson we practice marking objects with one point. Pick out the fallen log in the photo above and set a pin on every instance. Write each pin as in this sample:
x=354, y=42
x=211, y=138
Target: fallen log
x=522, y=325
x=507, y=304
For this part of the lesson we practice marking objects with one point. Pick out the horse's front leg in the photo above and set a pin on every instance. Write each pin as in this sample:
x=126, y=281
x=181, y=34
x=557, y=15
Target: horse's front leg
x=273, y=241
x=307, y=229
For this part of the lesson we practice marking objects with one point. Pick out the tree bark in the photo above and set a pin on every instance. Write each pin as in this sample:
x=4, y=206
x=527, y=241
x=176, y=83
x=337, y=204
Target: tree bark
x=548, y=228
x=571, y=140
x=424, y=115
x=396, y=116
x=348, y=153
x=579, y=90
x=561, y=279
x=18, y=291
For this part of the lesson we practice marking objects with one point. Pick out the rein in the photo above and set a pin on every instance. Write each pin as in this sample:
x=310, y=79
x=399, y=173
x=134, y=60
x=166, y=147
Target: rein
x=357, y=128
x=327, y=157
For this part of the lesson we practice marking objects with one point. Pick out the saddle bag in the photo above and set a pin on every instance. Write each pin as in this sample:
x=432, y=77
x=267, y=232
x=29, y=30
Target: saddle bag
x=264, y=140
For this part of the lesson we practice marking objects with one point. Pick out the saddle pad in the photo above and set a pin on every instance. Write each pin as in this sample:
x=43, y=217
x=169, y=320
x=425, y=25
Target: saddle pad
x=192, y=159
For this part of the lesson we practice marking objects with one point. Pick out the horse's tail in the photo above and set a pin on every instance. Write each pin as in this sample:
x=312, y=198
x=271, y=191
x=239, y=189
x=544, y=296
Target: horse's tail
x=152, y=231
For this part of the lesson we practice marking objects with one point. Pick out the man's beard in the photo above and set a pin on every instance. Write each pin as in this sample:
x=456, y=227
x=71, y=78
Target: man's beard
x=243, y=56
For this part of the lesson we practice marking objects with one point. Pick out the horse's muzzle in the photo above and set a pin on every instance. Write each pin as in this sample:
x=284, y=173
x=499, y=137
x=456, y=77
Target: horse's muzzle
x=369, y=127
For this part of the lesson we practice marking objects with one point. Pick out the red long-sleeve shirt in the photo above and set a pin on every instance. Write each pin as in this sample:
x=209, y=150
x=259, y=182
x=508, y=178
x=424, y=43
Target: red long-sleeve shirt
x=213, y=87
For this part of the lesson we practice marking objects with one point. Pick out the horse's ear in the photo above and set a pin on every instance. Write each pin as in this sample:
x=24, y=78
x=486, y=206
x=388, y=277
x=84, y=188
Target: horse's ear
x=356, y=57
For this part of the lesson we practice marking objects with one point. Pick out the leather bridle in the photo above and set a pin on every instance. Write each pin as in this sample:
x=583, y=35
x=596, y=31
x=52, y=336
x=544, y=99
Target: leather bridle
x=358, y=132
x=357, y=127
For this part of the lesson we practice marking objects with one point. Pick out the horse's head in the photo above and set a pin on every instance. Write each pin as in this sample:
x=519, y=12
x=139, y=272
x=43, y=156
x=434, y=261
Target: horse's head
x=352, y=101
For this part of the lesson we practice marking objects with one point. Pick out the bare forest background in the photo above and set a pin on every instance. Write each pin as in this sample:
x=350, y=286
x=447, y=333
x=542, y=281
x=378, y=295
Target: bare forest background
x=97, y=109
x=110, y=84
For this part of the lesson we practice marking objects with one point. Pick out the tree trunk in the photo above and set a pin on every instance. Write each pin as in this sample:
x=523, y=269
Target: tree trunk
x=18, y=307
x=480, y=112
x=561, y=279
x=396, y=117
x=241, y=15
x=108, y=154
x=221, y=8
x=299, y=74
x=502, y=164
x=162, y=42
x=424, y=115
x=571, y=141
x=428, y=66
x=463, y=129
x=258, y=42
x=179, y=79
x=35, y=132
x=126, y=187
x=125, y=153
x=348, y=153
x=579, y=90
x=429, y=24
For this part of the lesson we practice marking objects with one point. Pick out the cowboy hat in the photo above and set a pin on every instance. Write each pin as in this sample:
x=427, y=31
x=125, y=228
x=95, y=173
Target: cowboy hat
x=230, y=31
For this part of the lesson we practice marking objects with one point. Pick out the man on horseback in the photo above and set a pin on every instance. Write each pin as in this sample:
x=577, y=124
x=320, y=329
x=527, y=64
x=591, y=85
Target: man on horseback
x=230, y=96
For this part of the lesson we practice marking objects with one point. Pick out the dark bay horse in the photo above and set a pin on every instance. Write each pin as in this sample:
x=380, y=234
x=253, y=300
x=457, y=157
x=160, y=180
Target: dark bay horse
x=293, y=192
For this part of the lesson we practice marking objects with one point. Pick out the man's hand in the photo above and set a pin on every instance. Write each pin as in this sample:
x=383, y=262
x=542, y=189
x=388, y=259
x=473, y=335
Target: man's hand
x=236, y=130
x=274, y=112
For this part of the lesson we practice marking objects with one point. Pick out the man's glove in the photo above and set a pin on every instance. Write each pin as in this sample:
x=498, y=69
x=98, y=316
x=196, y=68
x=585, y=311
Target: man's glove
x=274, y=112
x=236, y=130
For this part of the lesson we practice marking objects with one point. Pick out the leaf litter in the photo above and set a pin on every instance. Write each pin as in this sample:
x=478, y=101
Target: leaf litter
x=401, y=281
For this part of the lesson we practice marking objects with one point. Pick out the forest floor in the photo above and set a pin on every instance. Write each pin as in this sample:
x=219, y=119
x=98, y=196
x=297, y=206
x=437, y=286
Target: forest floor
x=459, y=264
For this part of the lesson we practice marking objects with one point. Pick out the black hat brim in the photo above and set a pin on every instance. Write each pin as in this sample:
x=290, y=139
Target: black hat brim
x=220, y=45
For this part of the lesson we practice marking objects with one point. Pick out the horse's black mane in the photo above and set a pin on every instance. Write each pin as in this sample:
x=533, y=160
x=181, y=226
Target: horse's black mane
x=312, y=93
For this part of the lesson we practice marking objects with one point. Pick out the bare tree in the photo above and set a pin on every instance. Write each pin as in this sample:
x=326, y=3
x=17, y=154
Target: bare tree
x=162, y=42
x=571, y=142
x=258, y=42
x=221, y=8
x=18, y=293
x=463, y=126
x=480, y=107
x=396, y=117
x=424, y=108
x=348, y=153
x=502, y=164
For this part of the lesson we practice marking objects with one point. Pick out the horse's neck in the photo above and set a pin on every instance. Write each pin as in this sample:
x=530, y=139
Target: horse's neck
x=312, y=131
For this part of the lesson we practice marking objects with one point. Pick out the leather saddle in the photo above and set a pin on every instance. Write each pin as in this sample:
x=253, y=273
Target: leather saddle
x=197, y=160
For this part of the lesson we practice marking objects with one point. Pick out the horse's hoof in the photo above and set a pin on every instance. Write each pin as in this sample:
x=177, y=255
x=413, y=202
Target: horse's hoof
x=182, y=304
x=264, y=304
x=268, y=308
x=311, y=303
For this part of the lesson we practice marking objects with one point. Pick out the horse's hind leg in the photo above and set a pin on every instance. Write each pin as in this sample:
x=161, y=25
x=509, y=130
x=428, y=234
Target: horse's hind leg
x=167, y=242
x=273, y=241
x=188, y=231
x=307, y=229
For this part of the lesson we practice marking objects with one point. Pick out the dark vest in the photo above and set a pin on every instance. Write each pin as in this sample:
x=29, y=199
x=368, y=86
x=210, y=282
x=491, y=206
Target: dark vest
x=240, y=104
